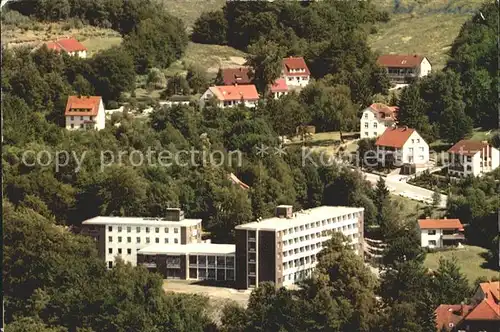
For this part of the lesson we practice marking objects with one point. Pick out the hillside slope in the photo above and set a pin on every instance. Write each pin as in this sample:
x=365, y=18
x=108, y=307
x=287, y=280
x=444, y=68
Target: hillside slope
x=422, y=26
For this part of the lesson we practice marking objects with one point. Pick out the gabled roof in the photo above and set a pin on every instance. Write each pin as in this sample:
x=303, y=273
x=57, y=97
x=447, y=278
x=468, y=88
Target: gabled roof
x=88, y=103
x=235, y=92
x=295, y=63
x=71, y=45
x=491, y=289
x=232, y=76
x=278, y=86
x=67, y=45
x=400, y=61
x=485, y=310
x=468, y=147
x=447, y=314
x=440, y=224
x=53, y=46
x=395, y=137
x=383, y=112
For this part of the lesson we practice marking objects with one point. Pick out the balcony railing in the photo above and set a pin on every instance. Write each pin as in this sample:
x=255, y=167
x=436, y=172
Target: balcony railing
x=456, y=167
x=453, y=237
x=149, y=264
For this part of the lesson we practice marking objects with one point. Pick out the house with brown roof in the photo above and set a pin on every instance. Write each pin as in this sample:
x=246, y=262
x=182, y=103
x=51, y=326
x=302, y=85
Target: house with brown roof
x=231, y=95
x=474, y=158
x=85, y=112
x=403, y=68
x=295, y=72
x=438, y=233
x=234, y=76
x=69, y=45
x=482, y=315
x=375, y=119
x=399, y=146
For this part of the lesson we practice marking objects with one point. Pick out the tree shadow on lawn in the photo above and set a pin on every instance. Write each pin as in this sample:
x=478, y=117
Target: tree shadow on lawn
x=489, y=262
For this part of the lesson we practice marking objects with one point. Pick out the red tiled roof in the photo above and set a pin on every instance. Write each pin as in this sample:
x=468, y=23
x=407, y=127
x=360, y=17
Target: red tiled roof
x=295, y=63
x=71, y=45
x=232, y=76
x=235, y=92
x=400, y=61
x=447, y=314
x=440, y=224
x=491, y=288
x=279, y=85
x=468, y=147
x=485, y=310
x=384, y=112
x=53, y=46
x=89, y=104
x=394, y=137
x=234, y=179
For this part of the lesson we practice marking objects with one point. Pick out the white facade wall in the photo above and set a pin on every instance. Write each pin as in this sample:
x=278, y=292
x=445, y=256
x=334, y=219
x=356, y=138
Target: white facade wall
x=431, y=238
x=425, y=68
x=80, y=54
x=130, y=238
x=74, y=122
x=296, y=80
x=414, y=151
x=305, y=241
x=495, y=158
x=279, y=94
x=370, y=126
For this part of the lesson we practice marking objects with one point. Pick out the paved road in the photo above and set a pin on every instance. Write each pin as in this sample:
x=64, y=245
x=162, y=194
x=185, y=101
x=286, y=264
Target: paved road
x=407, y=190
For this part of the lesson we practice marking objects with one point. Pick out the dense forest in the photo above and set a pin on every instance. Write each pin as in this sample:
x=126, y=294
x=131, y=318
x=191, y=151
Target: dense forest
x=53, y=279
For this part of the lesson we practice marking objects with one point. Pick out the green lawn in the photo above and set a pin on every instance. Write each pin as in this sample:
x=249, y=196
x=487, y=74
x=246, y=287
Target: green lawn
x=469, y=260
x=98, y=43
x=481, y=135
x=208, y=57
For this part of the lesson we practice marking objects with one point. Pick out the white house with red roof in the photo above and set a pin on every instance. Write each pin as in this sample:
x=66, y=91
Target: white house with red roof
x=231, y=95
x=474, y=158
x=295, y=72
x=85, y=112
x=398, y=146
x=278, y=88
x=375, y=119
x=438, y=233
x=400, y=68
x=69, y=45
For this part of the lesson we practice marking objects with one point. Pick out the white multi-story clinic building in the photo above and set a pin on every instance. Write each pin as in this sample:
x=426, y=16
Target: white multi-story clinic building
x=125, y=236
x=283, y=249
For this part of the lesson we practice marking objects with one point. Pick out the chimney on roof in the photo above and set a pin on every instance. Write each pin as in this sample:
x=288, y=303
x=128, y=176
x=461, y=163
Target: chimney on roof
x=174, y=214
x=445, y=218
x=461, y=309
x=405, y=128
x=427, y=217
x=284, y=211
